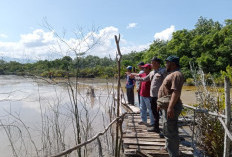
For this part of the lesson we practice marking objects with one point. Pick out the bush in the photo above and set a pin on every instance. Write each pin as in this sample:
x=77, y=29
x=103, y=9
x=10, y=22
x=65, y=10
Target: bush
x=190, y=82
x=219, y=81
x=60, y=73
x=210, y=133
x=44, y=74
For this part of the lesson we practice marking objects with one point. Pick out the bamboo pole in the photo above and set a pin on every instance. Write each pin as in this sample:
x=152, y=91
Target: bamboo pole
x=118, y=58
x=226, y=152
x=198, y=110
x=227, y=132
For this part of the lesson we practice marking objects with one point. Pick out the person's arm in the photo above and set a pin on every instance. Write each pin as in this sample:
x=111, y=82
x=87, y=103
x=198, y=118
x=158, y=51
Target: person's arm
x=133, y=82
x=144, y=79
x=134, y=74
x=174, y=98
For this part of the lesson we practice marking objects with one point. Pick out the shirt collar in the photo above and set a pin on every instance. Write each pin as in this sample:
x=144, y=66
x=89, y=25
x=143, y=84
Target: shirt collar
x=178, y=69
x=157, y=70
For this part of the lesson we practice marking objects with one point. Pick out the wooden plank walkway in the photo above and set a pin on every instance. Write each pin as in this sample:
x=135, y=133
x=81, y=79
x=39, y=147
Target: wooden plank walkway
x=138, y=142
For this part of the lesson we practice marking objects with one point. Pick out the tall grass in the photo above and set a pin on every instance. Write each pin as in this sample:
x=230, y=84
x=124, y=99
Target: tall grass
x=210, y=133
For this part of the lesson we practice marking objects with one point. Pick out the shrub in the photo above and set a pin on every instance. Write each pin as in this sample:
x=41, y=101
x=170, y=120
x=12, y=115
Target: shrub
x=44, y=74
x=190, y=82
x=210, y=133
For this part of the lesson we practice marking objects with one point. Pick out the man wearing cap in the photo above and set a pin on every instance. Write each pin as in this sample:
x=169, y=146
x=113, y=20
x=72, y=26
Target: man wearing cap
x=138, y=82
x=172, y=85
x=145, y=103
x=130, y=82
x=156, y=76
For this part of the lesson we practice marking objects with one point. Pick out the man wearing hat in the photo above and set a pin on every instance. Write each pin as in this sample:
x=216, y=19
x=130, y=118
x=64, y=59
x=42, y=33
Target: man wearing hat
x=172, y=85
x=130, y=83
x=156, y=76
x=145, y=103
x=138, y=82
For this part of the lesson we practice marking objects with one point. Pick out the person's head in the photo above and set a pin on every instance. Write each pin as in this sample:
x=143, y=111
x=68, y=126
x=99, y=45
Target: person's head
x=140, y=65
x=129, y=68
x=147, y=68
x=172, y=63
x=156, y=62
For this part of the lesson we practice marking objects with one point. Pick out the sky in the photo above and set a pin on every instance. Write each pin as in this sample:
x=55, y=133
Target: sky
x=49, y=29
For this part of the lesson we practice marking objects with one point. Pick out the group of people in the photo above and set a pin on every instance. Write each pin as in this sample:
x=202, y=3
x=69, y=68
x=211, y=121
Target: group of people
x=152, y=84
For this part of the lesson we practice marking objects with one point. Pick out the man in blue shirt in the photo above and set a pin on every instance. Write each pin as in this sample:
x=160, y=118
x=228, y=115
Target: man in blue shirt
x=130, y=83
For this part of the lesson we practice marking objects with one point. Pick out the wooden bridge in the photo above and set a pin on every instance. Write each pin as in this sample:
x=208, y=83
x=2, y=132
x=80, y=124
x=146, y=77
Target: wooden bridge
x=138, y=142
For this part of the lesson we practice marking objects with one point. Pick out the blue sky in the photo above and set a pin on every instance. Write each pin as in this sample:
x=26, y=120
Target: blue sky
x=23, y=34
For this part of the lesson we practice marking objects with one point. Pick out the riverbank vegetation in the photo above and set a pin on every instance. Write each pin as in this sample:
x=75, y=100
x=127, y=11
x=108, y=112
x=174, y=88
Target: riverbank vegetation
x=208, y=45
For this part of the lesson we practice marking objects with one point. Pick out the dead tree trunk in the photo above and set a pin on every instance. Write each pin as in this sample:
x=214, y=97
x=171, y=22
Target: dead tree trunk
x=118, y=58
x=226, y=152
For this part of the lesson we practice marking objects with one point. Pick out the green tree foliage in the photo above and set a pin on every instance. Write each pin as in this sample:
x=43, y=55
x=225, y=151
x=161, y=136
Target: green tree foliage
x=2, y=67
x=208, y=45
x=89, y=66
x=157, y=48
x=132, y=58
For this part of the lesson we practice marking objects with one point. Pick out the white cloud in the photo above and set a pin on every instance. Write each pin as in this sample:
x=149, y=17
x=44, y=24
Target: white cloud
x=3, y=36
x=131, y=25
x=137, y=48
x=37, y=39
x=40, y=44
x=165, y=34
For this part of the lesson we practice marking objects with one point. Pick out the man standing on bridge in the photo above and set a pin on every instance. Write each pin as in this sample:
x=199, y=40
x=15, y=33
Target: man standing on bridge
x=138, y=82
x=172, y=85
x=130, y=83
x=156, y=76
x=145, y=98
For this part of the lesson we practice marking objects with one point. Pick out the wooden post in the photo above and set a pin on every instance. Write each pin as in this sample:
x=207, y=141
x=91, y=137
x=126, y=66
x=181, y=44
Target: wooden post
x=118, y=58
x=226, y=152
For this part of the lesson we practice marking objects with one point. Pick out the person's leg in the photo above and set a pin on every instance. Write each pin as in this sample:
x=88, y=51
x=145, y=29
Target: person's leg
x=143, y=109
x=132, y=96
x=139, y=97
x=155, y=127
x=148, y=106
x=128, y=94
x=155, y=113
x=171, y=134
x=164, y=122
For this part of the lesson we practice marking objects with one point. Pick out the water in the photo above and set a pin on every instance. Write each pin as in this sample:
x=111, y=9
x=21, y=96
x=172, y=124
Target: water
x=188, y=95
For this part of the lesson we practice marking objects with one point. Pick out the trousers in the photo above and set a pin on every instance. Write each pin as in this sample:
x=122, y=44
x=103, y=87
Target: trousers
x=130, y=95
x=155, y=112
x=145, y=105
x=170, y=131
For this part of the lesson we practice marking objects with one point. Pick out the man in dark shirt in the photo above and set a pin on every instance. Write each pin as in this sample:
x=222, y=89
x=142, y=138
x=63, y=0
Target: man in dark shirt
x=172, y=85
